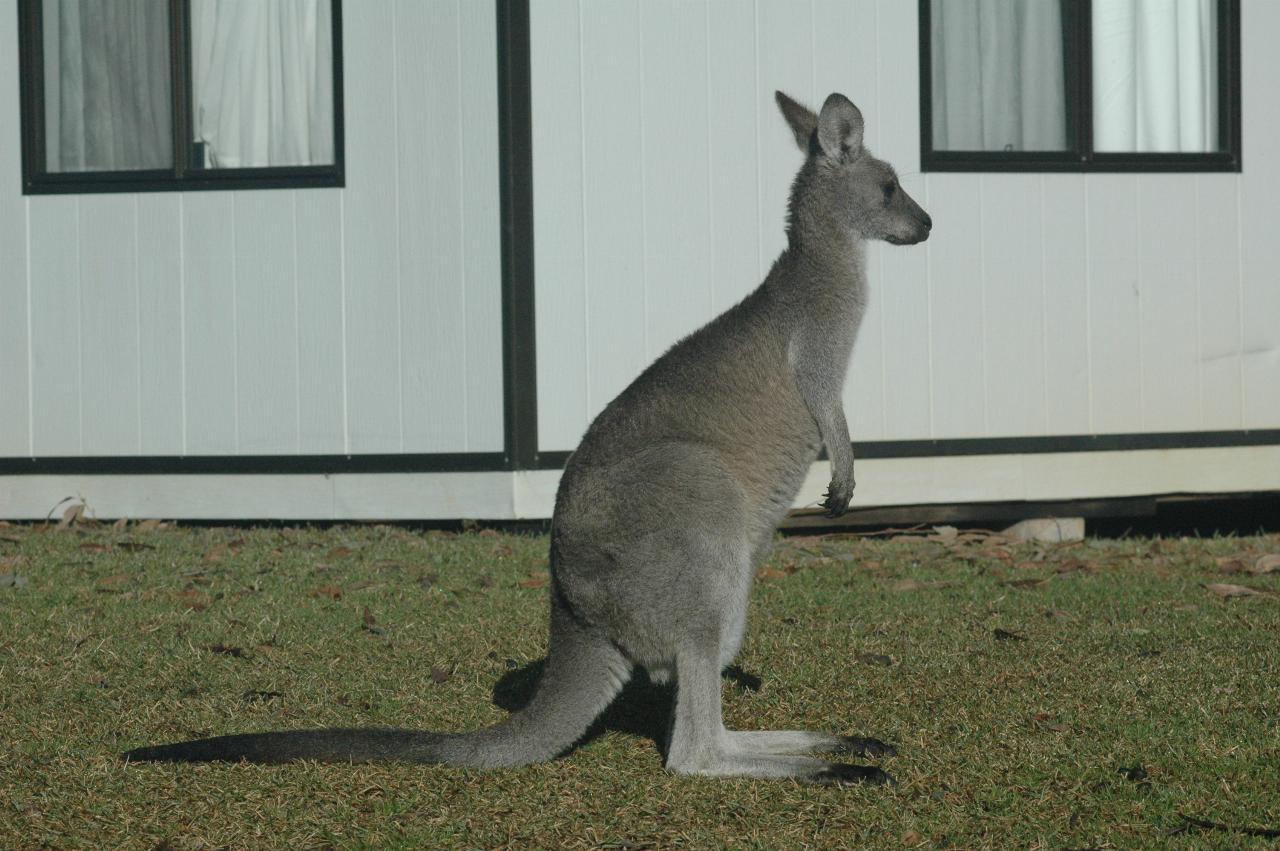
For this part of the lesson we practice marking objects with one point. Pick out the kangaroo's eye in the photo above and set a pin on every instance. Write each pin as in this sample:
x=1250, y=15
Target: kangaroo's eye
x=889, y=188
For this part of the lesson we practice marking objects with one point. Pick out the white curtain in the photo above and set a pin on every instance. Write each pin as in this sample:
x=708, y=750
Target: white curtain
x=106, y=85
x=263, y=82
x=1155, y=75
x=998, y=75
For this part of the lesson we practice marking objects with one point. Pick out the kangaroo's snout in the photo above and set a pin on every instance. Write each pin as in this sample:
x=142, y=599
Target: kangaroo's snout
x=925, y=226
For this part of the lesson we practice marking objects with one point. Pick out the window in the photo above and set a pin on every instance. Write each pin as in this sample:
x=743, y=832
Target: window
x=1080, y=85
x=146, y=95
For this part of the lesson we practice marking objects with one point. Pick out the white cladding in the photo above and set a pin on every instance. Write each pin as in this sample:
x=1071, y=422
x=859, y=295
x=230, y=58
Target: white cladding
x=1042, y=304
x=366, y=319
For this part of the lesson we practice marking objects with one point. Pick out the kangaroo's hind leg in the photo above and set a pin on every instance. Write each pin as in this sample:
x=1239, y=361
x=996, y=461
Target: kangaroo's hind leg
x=788, y=742
x=701, y=745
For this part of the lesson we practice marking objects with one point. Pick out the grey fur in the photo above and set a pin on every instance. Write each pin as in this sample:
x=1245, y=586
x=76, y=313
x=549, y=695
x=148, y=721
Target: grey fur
x=671, y=500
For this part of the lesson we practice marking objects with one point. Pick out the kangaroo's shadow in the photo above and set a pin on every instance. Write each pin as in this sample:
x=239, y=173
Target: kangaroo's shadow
x=643, y=708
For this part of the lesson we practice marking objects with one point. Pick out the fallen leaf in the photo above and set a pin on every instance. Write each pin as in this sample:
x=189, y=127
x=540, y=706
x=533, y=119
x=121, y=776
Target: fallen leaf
x=331, y=591
x=1223, y=589
x=91, y=547
x=112, y=584
x=1046, y=721
x=439, y=675
x=150, y=523
x=1027, y=583
x=912, y=838
x=1070, y=564
x=216, y=554
x=339, y=552
x=134, y=546
x=537, y=579
x=916, y=584
x=193, y=599
x=766, y=573
x=1229, y=564
x=1269, y=563
x=369, y=625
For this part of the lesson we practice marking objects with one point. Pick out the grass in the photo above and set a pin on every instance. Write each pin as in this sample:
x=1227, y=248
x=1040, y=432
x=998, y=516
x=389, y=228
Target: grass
x=1041, y=697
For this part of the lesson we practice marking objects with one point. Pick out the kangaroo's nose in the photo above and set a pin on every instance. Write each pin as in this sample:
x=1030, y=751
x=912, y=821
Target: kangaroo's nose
x=928, y=221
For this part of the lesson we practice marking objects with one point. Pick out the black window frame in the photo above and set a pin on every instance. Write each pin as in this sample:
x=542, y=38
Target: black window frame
x=182, y=176
x=1081, y=157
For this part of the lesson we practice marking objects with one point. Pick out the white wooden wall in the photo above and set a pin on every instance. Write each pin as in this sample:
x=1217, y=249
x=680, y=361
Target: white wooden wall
x=315, y=321
x=1042, y=304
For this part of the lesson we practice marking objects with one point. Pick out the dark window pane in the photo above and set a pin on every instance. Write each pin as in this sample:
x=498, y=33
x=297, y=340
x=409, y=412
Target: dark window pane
x=262, y=82
x=1155, y=76
x=106, y=85
x=998, y=75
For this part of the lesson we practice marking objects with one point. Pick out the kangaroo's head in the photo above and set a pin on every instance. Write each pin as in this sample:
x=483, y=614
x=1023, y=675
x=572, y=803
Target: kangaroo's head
x=842, y=183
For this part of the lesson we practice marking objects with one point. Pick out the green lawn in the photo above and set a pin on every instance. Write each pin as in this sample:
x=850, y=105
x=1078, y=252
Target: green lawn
x=1087, y=695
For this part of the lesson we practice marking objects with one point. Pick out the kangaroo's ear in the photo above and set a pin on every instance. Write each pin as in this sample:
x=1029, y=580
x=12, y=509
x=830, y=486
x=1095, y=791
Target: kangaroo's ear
x=800, y=119
x=840, y=128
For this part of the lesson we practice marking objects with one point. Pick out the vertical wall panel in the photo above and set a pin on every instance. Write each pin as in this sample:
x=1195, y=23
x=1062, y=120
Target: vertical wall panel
x=209, y=322
x=109, y=325
x=676, y=160
x=613, y=197
x=319, y=318
x=845, y=53
x=903, y=271
x=160, y=327
x=55, y=326
x=371, y=253
x=956, y=300
x=559, y=246
x=15, y=431
x=1217, y=248
x=1167, y=251
x=1259, y=191
x=432, y=297
x=1066, y=321
x=898, y=139
x=481, y=244
x=266, y=323
x=784, y=61
x=733, y=177
x=1014, y=304
x=1114, y=310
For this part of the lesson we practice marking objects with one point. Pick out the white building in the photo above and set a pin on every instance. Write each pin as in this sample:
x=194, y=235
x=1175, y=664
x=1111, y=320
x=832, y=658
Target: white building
x=368, y=349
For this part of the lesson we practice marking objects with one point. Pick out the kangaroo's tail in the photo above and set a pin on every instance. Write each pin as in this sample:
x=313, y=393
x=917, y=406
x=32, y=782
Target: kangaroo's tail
x=584, y=672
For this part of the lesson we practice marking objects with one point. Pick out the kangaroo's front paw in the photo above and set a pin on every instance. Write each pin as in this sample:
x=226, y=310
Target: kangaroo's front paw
x=838, y=497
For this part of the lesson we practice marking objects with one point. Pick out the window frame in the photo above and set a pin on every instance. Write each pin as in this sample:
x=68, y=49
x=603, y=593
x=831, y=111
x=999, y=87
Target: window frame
x=182, y=176
x=1080, y=156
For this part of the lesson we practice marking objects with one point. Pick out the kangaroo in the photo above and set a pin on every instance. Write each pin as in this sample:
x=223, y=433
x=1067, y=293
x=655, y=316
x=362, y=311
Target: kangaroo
x=672, y=498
